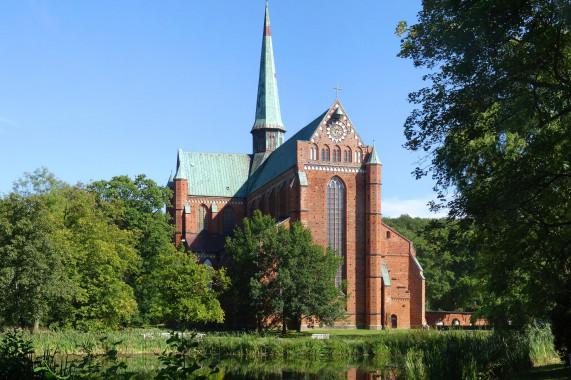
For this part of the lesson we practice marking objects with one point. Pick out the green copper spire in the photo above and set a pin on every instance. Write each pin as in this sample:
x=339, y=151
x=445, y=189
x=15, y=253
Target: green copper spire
x=373, y=157
x=268, y=115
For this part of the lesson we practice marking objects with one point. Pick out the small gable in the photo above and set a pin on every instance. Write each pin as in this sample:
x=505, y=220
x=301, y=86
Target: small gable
x=336, y=129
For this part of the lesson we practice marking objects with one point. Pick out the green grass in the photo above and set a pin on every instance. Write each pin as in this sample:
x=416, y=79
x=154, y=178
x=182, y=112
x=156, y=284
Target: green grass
x=545, y=372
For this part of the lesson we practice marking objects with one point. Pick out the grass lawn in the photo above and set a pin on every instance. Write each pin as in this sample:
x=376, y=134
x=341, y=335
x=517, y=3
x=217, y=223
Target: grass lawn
x=545, y=372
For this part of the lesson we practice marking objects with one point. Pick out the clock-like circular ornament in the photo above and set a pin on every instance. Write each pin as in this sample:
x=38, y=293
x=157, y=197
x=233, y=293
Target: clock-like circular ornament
x=337, y=131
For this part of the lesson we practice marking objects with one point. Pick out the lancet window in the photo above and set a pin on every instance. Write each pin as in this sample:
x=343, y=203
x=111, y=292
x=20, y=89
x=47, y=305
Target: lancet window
x=229, y=220
x=336, y=154
x=336, y=221
x=202, y=219
x=325, y=154
x=313, y=153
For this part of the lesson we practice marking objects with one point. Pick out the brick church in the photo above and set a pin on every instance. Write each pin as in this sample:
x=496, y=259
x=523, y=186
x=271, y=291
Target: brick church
x=324, y=176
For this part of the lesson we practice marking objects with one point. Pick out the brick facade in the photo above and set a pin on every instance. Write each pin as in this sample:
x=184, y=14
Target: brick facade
x=299, y=193
x=291, y=181
x=453, y=318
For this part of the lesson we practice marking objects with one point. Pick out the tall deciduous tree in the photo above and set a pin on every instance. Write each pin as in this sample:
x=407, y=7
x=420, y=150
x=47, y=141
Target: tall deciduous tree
x=183, y=290
x=252, y=267
x=32, y=257
x=139, y=207
x=305, y=280
x=33, y=250
x=103, y=257
x=495, y=123
x=281, y=274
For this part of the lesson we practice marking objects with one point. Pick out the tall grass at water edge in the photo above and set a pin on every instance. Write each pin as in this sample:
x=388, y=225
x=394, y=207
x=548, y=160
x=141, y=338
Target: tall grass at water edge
x=418, y=354
x=131, y=341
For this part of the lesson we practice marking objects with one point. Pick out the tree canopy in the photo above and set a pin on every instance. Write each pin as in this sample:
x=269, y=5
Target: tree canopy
x=494, y=122
x=280, y=274
x=138, y=206
x=97, y=257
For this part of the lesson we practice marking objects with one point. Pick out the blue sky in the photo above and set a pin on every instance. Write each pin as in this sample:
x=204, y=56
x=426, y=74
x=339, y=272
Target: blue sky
x=94, y=89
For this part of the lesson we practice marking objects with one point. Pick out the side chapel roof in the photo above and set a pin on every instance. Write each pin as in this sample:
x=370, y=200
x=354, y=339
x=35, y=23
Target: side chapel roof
x=228, y=175
x=214, y=174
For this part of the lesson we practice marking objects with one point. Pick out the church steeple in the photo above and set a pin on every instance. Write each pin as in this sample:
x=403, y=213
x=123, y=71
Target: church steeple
x=268, y=130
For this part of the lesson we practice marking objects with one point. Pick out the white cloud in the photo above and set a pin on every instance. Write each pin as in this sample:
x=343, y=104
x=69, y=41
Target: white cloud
x=394, y=207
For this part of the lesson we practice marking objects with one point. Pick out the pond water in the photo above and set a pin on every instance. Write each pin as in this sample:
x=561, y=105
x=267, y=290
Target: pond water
x=246, y=368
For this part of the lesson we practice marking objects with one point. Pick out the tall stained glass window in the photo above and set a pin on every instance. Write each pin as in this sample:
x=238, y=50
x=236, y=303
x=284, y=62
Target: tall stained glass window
x=336, y=221
x=229, y=220
x=202, y=219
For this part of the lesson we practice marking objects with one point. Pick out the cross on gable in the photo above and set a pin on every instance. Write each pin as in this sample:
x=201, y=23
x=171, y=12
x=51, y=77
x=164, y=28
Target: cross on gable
x=336, y=88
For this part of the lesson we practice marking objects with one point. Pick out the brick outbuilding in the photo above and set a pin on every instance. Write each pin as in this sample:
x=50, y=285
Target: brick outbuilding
x=324, y=176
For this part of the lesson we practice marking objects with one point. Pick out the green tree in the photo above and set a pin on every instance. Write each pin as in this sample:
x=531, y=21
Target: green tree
x=33, y=250
x=449, y=259
x=252, y=267
x=63, y=260
x=185, y=291
x=494, y=121
x=305, y=280
x=140, y=207
x=32, y=257
x=281, y=274
x=103, y=257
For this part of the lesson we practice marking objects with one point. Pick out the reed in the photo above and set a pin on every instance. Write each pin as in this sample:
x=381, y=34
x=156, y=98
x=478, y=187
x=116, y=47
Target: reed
x=417, y=354
x=130, y=341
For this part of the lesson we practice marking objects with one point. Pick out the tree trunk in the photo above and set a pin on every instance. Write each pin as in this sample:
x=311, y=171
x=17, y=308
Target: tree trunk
x=36, y=325
x=284, y=325
x=298, y=324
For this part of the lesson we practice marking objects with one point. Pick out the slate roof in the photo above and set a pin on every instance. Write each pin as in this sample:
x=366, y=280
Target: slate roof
x=228, y=175
x=284, y=157
x=214, y=174
x=206, y=242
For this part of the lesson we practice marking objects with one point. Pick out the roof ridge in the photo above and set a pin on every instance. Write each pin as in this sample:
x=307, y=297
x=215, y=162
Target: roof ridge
x=281, y=159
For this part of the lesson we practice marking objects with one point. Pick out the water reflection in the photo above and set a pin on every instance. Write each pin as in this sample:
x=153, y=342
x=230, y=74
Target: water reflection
x=241, y=368
x=256, y=369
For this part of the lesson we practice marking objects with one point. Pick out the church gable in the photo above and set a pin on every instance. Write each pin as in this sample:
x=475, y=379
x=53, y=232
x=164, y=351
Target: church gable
x=335, y=138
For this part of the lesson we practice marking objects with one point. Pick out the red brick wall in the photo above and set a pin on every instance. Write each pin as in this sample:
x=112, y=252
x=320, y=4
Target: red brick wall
x=366, y=243
x=373, y=229
x=447, y=318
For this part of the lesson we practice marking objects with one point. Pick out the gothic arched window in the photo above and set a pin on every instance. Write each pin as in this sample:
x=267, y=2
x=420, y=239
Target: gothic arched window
x=229, y=220
x=202, y=219
x=358, y=156
x=336, y=221
x=325, y=154
x=313, y=153
x=336, y=154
